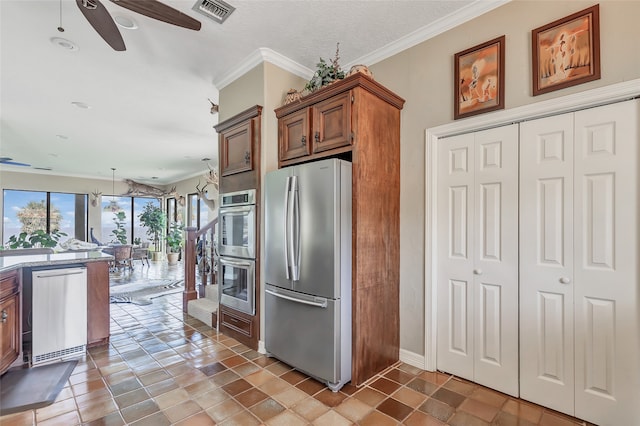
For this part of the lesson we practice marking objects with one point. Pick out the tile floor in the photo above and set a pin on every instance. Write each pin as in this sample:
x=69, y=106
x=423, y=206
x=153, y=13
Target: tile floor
x=163, y=367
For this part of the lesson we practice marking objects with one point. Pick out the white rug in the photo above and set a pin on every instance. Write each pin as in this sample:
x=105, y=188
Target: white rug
x=141, y=293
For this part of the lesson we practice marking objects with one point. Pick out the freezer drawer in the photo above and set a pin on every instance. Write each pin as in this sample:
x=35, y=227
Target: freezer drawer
x=306, y=332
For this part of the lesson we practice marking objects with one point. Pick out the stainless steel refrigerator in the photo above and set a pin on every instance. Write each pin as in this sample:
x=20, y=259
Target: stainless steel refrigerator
x=308, y=269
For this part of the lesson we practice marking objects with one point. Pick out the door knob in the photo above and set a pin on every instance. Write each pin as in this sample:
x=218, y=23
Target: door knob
x=477, y=271
x=565, y=280
x=4, y=316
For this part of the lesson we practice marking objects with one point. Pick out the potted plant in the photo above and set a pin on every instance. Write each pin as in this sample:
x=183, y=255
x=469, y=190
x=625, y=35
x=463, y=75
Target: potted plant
x=120, y=233
x=154, y=219
x=174, y=243
x=327, y=72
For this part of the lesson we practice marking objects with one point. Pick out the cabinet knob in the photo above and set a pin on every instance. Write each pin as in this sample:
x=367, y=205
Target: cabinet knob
x=565, y=280
x=4, y=316
x=317, y=137
x=477, y=271
x=247, y=157
x=303, y=141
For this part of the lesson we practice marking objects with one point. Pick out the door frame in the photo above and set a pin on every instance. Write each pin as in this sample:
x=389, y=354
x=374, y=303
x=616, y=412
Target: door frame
x=574, y=102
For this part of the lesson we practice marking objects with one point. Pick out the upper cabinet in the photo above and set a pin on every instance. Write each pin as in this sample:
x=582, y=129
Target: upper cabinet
x=239, y=150
x=323, y=124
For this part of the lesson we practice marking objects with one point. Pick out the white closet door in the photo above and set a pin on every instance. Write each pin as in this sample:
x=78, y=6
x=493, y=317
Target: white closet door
x=477, y=257
x=546, y=262
x=495, y=269
x=455, y=256
x=607, y=258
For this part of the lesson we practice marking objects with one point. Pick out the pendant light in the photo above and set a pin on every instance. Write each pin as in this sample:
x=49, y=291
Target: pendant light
x=113, y=204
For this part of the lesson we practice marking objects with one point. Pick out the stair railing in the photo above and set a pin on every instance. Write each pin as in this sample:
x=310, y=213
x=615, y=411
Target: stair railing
x=207, y=274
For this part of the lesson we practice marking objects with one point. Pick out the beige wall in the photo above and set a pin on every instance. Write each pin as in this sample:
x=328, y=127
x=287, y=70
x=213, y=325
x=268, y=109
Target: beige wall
x=423, y=75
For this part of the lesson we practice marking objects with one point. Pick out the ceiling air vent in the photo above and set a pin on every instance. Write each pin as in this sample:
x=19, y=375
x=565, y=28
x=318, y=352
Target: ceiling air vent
x=214, y=9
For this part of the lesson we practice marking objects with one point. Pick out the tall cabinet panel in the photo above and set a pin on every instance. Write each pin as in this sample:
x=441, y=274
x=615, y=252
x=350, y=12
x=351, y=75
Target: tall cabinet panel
x=357, y=119
x=478, y=257
x=579, y=264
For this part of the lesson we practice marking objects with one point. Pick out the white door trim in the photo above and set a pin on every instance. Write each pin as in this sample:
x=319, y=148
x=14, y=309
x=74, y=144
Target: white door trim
x=587, y=99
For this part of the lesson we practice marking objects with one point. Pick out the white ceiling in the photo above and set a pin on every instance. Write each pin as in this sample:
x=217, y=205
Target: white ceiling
x=149, y=115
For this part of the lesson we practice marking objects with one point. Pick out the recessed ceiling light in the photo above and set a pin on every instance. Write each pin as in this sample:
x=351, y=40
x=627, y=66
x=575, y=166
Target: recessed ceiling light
x=64, y=43
x=154, y=177
x=126, y=22
x=62, y=137
x=81, y=105
x=206, y=159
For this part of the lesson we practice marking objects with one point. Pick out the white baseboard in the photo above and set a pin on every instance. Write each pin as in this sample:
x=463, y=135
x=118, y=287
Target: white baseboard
x=261, y=348
x=412, y=358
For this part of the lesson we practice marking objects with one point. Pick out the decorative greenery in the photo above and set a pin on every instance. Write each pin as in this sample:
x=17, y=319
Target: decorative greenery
x=120, y=233
x=174, y=237
x=37, y=238
x=154, y=219
x=326, y=73
x=33, y=216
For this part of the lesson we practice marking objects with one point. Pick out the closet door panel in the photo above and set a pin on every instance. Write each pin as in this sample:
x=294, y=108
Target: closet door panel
x=546, y=262
x=496, y=259
x=607, y=289
x=455, y=262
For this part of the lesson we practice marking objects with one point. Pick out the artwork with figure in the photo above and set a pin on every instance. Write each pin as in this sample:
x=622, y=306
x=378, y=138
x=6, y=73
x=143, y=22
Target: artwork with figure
x=480, y=78
x=566, y=52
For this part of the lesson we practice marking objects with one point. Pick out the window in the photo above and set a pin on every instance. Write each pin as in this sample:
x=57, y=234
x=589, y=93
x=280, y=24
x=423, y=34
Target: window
x=197, y=211
x=132, y=207
x=28, y=211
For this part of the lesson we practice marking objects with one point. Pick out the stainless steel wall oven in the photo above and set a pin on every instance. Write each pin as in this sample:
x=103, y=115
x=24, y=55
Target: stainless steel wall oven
x=237, y=249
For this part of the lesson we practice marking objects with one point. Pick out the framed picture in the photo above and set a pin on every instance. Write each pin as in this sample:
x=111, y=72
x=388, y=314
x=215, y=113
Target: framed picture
x=566, y=52
x=479, y=76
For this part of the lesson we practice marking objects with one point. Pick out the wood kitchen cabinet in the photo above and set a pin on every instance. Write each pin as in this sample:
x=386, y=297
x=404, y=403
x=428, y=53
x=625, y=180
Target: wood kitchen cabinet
x=9, y=319
x=239, y=139
x=98, y=321
x=358, y=119
x=237, y=142
x=323, y=127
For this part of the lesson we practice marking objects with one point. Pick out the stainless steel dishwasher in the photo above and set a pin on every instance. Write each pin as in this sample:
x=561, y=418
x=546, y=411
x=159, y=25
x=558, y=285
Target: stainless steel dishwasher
x=59, y=314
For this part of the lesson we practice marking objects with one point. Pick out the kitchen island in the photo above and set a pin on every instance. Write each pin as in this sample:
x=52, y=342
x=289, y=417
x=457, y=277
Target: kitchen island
x=15, y=296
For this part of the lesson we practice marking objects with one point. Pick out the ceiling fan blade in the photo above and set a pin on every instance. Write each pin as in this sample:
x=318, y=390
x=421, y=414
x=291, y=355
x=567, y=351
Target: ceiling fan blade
x=160, y=11
x=101, y=21
x=8, y=161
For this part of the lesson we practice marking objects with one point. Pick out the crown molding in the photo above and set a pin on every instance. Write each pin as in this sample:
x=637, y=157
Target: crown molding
x=259, y=56
x=459, y=17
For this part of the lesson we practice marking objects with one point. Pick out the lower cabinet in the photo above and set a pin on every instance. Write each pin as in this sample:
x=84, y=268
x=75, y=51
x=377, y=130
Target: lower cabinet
x=97, y=303
x=240, y=326
x=9, y=319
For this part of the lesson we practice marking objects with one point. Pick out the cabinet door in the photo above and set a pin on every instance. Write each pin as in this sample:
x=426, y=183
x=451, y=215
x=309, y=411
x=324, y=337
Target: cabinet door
x=332, y=123
x=236, y=149
x=9, y=337
x=293, y=131
x=97, y=303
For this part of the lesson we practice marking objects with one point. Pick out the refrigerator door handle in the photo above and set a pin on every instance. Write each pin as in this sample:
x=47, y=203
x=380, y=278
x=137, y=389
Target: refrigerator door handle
x=321, y=304
x=286, y=226
x=295, y=232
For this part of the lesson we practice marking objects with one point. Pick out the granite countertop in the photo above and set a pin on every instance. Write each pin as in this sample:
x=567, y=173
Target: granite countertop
x=8, y=263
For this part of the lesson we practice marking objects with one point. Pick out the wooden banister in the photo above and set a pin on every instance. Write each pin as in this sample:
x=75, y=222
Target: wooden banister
x=190, y=263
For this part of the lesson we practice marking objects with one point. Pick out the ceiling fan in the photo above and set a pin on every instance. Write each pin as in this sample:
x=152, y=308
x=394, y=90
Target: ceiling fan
x=103, y=23
x=9, y=161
